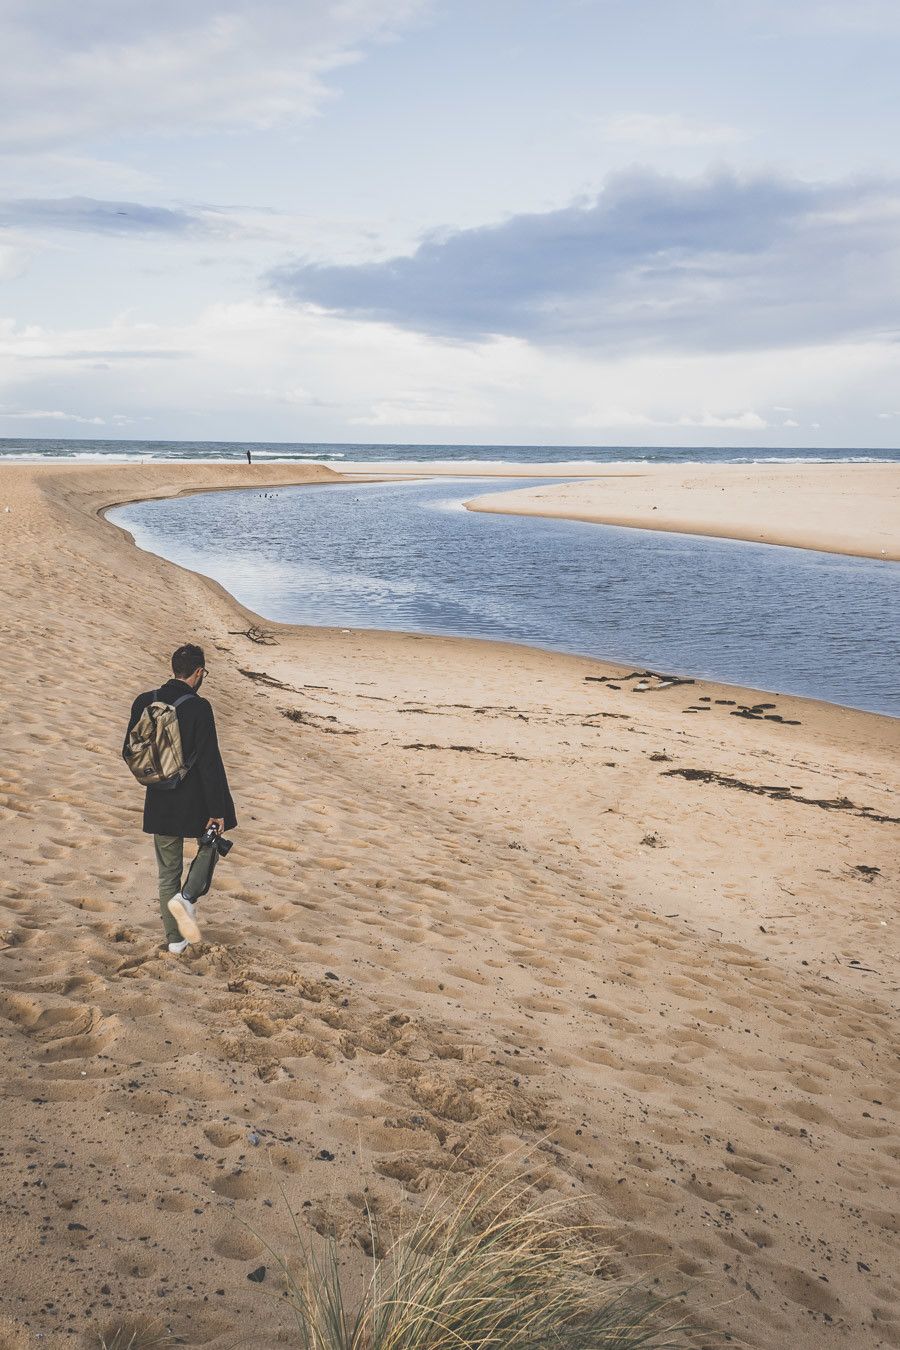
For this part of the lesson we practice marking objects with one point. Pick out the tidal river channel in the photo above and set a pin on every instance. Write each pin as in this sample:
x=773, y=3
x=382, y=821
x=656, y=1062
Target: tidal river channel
x=409, y=556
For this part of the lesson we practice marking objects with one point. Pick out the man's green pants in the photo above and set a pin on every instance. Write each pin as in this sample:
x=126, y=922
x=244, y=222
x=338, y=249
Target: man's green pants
x=170, y=864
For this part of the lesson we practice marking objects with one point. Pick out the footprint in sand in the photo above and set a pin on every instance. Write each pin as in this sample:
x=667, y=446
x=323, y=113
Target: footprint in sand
x=91, y=904
x=222, y=1136
x=63, y=1031
x=138, y=1265
x=236, y=1244
x=237, y=1185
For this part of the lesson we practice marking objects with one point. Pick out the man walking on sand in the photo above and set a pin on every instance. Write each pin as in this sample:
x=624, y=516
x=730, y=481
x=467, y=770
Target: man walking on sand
x=198, y=806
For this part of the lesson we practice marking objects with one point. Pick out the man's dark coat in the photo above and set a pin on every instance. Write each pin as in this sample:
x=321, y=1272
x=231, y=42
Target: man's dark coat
x=204, y=793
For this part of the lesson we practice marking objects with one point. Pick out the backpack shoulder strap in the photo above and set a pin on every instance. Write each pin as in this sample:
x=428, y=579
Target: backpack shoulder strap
x=155, y=697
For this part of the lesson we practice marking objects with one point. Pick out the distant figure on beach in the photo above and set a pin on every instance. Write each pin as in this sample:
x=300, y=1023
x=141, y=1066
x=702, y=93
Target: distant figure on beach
x=171, y=748
x=249, y=458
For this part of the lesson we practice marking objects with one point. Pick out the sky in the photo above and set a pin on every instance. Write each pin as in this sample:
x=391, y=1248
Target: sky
x=577, y=222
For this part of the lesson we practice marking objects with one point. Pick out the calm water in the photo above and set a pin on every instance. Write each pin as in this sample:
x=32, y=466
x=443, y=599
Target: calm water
x=408, y=556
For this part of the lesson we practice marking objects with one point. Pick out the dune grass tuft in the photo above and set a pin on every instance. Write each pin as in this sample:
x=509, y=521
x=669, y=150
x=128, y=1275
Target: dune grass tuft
x=486, y=1272
x=134, y=1337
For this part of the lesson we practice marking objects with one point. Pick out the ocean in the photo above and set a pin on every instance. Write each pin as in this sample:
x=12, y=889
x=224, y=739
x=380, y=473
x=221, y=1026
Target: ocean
x=563, y=455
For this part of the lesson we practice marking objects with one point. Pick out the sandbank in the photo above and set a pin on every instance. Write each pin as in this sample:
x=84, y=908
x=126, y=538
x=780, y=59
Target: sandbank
x=842, y=508
x=482, y=898
x=481, y=468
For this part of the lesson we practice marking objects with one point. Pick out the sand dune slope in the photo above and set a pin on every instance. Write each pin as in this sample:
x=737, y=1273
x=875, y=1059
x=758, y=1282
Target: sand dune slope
x=481, y=897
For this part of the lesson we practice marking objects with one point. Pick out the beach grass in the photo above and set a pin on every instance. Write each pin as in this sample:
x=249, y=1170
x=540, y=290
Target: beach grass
x=134, y=1336
x=488, y=1271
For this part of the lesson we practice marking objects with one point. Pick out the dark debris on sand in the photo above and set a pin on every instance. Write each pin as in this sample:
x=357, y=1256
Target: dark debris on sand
x=780, y=794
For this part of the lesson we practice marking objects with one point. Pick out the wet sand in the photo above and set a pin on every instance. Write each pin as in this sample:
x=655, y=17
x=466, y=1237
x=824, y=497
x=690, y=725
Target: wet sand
x=481, y=897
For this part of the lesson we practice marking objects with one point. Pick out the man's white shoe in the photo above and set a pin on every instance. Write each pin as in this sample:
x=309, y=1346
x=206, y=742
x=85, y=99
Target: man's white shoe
x=182, y=912
x=176, y=948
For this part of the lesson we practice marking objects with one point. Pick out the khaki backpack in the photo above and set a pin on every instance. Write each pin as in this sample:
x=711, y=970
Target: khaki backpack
x=153, y=750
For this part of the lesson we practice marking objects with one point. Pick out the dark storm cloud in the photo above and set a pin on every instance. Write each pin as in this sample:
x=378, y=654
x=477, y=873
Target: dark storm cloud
x=653, y=261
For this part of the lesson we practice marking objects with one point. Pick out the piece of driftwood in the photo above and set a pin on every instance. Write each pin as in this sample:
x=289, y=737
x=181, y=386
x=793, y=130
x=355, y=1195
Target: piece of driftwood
x=317, y=722
x=260, y=677
x=463, y=749
x=259, y=635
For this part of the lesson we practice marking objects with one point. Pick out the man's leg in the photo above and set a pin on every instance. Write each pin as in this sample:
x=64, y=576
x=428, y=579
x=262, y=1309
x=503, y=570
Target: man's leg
x=196, y=883
x=200, y=873
x=170, y=863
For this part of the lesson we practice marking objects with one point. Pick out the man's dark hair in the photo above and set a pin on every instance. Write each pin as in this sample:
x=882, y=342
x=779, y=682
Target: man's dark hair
x=186, y=660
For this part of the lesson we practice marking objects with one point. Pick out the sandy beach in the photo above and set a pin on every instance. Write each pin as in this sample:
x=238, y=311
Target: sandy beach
x=482, y=897
x=845, y=508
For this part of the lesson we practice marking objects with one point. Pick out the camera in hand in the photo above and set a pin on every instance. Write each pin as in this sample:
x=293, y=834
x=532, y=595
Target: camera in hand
x=212, y=836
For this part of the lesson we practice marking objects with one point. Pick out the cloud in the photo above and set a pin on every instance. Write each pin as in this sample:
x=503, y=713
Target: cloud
x=15, y=260
x=89, y=215
x=648, y=129
x=242, y=358
x=409, y=408
x=121, y=342
x=616, y=416
x=119, y=65
x=879, y=17
x=41, y=415
x=653, y=263
x=292, y=396
x=108, y=354
x=745, y=421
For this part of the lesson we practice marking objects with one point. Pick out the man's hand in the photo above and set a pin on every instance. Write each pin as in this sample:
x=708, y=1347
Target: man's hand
x=218, y=821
